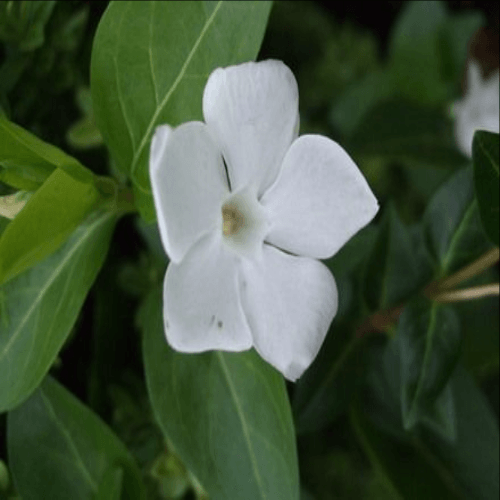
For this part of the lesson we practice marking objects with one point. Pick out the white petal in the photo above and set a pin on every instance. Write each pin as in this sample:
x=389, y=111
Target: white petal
x=189, y=184
x=289, y=302
x=252, y=110
x=202, y=305
x=320, y=199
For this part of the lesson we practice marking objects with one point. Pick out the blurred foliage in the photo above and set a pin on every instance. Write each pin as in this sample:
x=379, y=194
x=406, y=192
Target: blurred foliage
x=357, y=86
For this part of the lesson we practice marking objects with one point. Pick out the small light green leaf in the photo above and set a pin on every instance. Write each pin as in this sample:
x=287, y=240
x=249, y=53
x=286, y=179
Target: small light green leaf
x=429, y=339
x=60, y=448
x=485, y=153
x=454, y=234
x=41, y=305
x=84, y=134
x=157, y=75
x=226, y=414
x=400, y=130
x=25, y=157
x=47, y=219
x=393, y=270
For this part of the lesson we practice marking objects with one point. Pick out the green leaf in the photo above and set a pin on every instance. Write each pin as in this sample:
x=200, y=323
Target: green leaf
x=425, y=466
x=47, y=219
x=60, y=449
x=22, y=23
x=226, y=414
x=393, y=270
x=110, y=486
x=455, y=36
x=428, y=335
x=41, y=305
x=326, y=388
x=404, y=472
x=27, y=159
x=400, y=130
x=157, y=75
x=479, y=323
x=485, y=154
x=454, y=234
x=355, y=102
x=415, y=62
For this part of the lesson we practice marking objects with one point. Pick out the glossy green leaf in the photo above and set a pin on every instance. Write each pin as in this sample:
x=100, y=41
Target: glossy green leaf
x=414, y=59
x=110, y=486
x=404, y=472
x=407, y=132
x=41, y=305
x=226, y=414
x=393, y=270
x=47, y=219
x=485, y=153
x=428, y=335
x=157, y=75
x=60, y=449
x=24, y=158
x=480, y=325
x=454, y=233
x=426, y=466
x=326, y=388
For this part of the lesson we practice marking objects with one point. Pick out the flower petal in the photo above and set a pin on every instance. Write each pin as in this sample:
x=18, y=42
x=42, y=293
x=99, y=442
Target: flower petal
x=289, y=302
x=252, y=110
x=202, y=305
x=320, y=199
x=189, y=184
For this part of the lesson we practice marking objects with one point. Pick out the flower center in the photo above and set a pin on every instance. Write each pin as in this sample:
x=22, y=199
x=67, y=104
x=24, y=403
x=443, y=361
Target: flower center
x=232, y=219
x=243, y=223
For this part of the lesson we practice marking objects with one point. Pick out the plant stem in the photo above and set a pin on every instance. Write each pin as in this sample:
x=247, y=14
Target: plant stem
x=475, y=292
x=478, y=266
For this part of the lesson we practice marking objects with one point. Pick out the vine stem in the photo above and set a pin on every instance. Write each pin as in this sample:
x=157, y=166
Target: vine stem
x=484, y=262
x=474, y=292
x=383, y=321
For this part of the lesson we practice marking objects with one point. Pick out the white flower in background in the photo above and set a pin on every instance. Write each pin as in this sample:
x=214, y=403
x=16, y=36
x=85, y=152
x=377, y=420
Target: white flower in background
x=244, y=210
x=479, y=108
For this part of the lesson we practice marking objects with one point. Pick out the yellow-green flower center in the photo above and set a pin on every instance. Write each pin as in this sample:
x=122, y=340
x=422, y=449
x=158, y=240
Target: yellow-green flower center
x=232, y=220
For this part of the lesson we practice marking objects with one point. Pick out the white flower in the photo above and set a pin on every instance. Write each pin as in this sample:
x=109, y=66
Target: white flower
x=479, y=108
x=244, y=210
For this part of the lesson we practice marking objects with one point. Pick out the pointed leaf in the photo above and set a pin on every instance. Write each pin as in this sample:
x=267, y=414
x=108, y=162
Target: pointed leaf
x=41, y=305
x=428, y=335
x=226, y=414
x=454, y=234
x=485, y=153
x=27, y=159
x=45, y=222
x=425, y=466
x=393, y=270
x=59, y=449
x=157, y=75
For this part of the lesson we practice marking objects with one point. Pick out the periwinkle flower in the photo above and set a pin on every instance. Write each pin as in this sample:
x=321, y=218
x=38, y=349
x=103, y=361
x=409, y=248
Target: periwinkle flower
x=479, y=108
x=245, y=208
